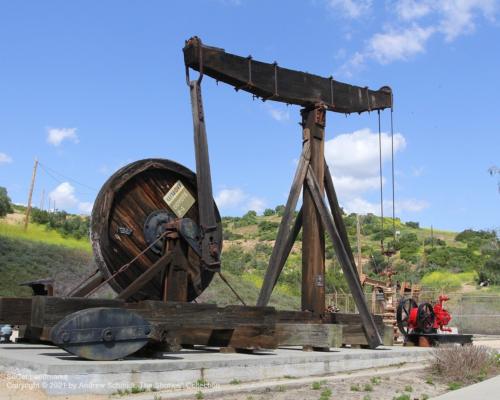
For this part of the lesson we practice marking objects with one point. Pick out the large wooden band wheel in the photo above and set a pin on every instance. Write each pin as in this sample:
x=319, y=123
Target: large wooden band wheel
x=127, y=210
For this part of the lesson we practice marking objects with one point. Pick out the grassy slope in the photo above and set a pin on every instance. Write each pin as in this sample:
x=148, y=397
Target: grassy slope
x=38, y=253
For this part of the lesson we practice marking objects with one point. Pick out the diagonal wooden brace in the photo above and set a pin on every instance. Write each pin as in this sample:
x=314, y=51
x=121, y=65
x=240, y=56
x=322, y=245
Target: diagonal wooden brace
x=286, y=231
x=349, y=269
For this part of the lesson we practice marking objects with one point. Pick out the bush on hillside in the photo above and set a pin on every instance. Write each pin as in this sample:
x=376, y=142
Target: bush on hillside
x=268, y=212
x=490, y=271
x=5, y=203
x=411, y=224
x=66, y=224
x=447, y=281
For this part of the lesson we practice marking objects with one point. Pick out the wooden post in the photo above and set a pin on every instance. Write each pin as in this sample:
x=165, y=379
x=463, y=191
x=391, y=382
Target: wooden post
x=30, y=197
x=313, y=238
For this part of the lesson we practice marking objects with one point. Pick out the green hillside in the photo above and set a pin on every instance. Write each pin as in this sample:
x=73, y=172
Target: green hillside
x=56, y=245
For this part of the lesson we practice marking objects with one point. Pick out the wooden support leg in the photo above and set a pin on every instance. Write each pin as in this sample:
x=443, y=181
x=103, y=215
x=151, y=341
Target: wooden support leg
x=145, y=277
x=313, y=242
x=286, y=231
x=177, y=278
x=87, y=285
x=337, y=213
x=349, y=269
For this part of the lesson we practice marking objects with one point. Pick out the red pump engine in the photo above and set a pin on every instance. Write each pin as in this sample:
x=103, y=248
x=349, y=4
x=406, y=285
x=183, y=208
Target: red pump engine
x=423, y=318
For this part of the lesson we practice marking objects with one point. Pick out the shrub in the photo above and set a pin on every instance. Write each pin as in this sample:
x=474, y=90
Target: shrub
x=411, y=224
x=446, y=280
x=268, y=212
x=462, y=363
x=5, y=202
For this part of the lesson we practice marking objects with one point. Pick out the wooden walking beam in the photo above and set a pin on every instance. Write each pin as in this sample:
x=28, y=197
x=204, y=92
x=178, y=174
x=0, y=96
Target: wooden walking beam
x=349, y=269
x=285, y=232
x=271, y=82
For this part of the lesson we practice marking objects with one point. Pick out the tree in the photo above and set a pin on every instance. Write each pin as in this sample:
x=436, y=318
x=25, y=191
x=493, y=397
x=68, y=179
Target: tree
x=5, y=202
x=280, y=210
x=411, y=224
x=268, y=212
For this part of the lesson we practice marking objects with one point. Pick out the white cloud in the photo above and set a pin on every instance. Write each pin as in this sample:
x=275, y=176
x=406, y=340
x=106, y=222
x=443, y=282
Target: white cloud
x=65, y=199
x=398, y=45
x=5, y=158
x=447, y=18
x=85, y=207
x=235, y=199
x=354, y=159
x=256, y=204
x=350, y=8
x=57, y=135
x=411, y=205
x=279, y=115
x=458, y=16
x=361, y=206
x=413, y=9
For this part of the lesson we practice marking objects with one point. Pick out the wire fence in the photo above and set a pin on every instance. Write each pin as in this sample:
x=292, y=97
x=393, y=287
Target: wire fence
x=471, y=313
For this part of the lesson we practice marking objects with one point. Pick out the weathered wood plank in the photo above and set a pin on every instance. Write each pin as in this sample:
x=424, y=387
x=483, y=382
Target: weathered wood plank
x=48, y=311
x=15, y=310
x=314, y=335
x=281, y=84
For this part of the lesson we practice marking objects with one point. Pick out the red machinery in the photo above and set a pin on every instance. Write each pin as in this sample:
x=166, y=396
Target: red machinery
x=423, y=318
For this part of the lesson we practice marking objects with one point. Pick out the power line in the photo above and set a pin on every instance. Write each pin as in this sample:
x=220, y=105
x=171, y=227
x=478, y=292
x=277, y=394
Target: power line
x=47, y=169
x=59, y=180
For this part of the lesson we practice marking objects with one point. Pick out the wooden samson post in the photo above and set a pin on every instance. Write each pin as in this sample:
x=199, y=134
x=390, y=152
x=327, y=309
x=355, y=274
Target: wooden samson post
x=313, y=238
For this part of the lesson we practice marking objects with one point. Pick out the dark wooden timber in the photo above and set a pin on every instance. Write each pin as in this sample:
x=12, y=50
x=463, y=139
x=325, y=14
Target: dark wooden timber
x=313, y=238
x=314, y=335
x=146, y=277
x=87, y=285
x=208, y=221
x=15, y=310
x=122, y=205
x=286, y=230
x=270, y=81
x=177, y=279
x=435, y=339
x=48, y=311
x=371, y=332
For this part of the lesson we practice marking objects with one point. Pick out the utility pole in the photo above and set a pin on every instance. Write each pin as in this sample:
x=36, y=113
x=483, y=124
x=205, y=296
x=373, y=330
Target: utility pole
x=28, y=209
x=358, y=241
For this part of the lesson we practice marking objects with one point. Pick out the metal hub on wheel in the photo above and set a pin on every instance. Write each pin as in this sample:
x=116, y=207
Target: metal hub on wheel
x=153, y=228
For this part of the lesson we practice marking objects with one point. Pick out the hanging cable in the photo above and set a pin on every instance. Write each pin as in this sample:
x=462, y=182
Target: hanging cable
x=381, y=184
x=393, y=190
x=47, y=169
x=232, y=290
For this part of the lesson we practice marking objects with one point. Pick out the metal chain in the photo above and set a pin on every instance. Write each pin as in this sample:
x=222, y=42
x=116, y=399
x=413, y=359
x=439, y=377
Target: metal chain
x=124, y=267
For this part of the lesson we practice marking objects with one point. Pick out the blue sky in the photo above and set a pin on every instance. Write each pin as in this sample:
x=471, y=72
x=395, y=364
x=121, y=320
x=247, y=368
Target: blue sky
x=88, y=86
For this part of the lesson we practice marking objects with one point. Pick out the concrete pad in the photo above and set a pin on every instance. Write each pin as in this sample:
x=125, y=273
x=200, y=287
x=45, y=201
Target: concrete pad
x=486, y=390
x=59, y=373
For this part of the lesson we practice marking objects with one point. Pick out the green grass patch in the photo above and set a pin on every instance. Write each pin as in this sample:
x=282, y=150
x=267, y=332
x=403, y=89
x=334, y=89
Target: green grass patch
x=38, y=233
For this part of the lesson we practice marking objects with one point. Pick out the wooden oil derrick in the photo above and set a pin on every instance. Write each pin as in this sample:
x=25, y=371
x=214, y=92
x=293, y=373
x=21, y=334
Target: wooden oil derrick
x=157, y=239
